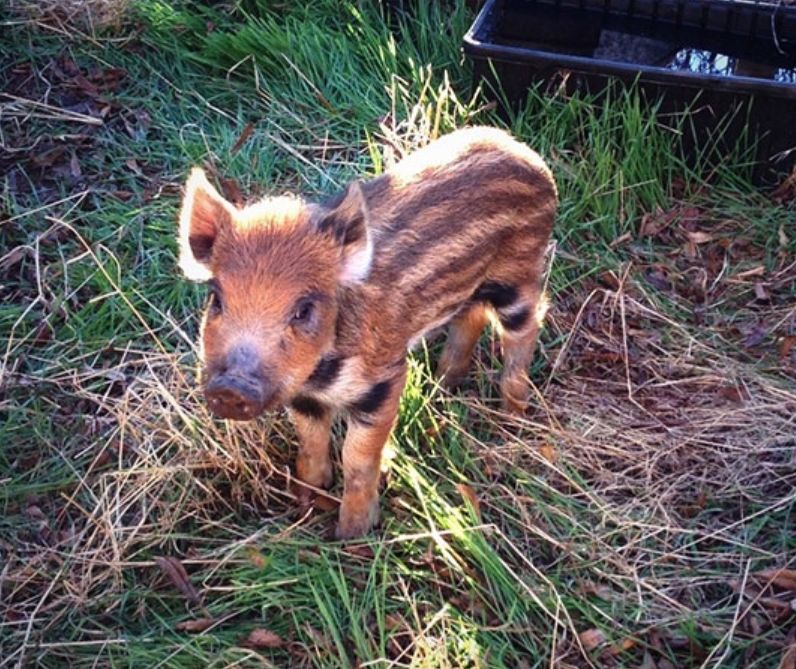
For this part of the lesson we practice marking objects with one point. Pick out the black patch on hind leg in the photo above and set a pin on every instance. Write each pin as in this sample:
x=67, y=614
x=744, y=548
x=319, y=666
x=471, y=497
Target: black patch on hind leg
x=500, y=295
x=517, y=320
x=307, y=406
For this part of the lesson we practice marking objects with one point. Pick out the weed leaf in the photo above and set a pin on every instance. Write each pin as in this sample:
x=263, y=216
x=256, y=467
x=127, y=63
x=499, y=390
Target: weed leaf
x=174, y=569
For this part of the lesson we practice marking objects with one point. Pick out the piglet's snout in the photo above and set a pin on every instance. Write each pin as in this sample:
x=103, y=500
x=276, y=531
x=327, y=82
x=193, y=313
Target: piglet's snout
x=238, y=391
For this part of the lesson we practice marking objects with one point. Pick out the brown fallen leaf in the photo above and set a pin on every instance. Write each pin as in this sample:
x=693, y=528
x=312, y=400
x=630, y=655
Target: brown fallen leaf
x=737, y=394
x=699, y=237
x=469, y=495
x=592, y=638
x=548, y=453
x=623, y=646
x=654, y=223
x=788, y=660
x=199, y=625
x=244, y=136
x=256, y=558
x=173, y=568
x=786, y=190
x=263, y=638
x=761, y=294
x=788, y=342
x=782, y=578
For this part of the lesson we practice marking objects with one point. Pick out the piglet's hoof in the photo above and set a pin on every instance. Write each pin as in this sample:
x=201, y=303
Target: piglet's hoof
x=355, y=524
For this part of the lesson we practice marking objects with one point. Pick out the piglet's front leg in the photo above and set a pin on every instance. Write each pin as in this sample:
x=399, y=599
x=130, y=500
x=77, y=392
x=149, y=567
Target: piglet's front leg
x=313, y=422
x=371, y=421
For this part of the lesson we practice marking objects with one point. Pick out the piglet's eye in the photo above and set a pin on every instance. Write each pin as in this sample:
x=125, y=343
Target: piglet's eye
x=215, y=303
x=304, y=312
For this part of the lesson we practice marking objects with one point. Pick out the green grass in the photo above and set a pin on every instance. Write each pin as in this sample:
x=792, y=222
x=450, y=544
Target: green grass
x=628, y=521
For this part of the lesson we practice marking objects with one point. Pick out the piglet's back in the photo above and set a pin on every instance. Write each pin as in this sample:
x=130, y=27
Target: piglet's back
x=473, y=206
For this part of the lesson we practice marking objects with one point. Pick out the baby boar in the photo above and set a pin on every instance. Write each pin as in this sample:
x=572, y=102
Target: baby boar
x=313, y=306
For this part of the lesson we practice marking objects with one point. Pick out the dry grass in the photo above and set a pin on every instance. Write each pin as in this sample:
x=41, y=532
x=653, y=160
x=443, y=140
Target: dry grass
x=71, y=16
x=656, y=453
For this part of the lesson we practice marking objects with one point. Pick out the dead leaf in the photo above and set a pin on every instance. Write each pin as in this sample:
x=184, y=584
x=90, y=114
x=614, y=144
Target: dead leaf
x=324, y=503
x=689, y=249
x=786, y=190
x=788, y=660
x=592, y=638
x=609, y=279
x=654, y=223
x=43, y=334
x=548, y=453
x=699, y=237
x=782, y=578
x=363, y=551
x=256, y=558
x=244, y=136
x=394, y=622
x=263, y=638
x=788, y=342
x=469, y=495
x=88, y=88
x=756, y=335
x=123, y=195
x=737, y=394
x=199, y=625
x=328, y=105
x=35, y=513
x=597, y=589
x=698, y=506
x=761, y=293
x=173, y=568
x=230, y=190
x=623, y=646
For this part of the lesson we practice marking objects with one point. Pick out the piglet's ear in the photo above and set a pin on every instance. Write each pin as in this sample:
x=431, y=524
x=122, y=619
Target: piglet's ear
x=348, y=223
x=204, y=213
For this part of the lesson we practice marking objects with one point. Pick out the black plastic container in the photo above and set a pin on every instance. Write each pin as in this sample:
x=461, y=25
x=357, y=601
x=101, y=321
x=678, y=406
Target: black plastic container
x=723, y=59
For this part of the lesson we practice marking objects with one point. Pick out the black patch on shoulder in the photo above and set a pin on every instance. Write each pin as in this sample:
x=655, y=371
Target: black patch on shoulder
x=517, y=320
x=500, y=295
x=326, y=371
x=372, y=400
x=307, y=406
